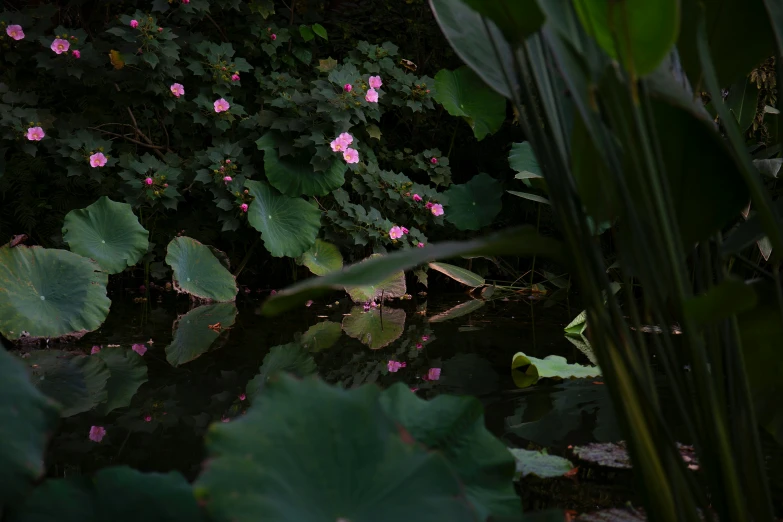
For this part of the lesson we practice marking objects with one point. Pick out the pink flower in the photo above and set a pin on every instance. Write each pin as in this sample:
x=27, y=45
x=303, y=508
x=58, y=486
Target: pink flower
x=177, y=89
x=434, y=160
x=416, y=198
x=242, y=397
x=420, y=245
x=148, y=181
x=160, y=29
x=243, y=206
x=35, y=134
x=185, y=1
x=433, y=374
x=273, y=292
x=371, y=96
x=428, y=205
x=139, y=349
x=227, y=179
x=95, y=349
x=425, y=338
x=273, y=36
x=351, y=155
x=60, y=46
x=375, y=82
x=97, y=433
x=97, y=160
x=76, y=53
x=309, y=303
x=419, y=346
x=228, y=161
x=235, y=77
x=15, y=32
x=347, y=87
x=394, y=366
x=341, y=142
x=414, y=390
x=134, y=23
x=437, y=209
x=221, y=105
x=395, y=232
x=148, y=418
x=404, y=230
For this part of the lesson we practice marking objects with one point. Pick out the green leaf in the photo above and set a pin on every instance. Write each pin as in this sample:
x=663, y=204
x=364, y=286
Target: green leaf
x=326, y=65
x=76, y=382
x=457, y=273
x=322, y=258
x=320, y=31
x=474, y=204
x=742, y=100
x=127, y=372
x=336, y=448
x=769, y=167
x=288, y=225
x=520, y=241
x=391, y=287
x=526, y=370
x=460, y=310
x=192, y=333
x=455, y=427
x=291, y=358
x=306, y=33
x=463, y=93
x=529, y=196
x=597, y=189
x=29, y=417
x=198, y=272
x=518, y=19
x=321, y=336
x=540, y=464
x=373, y=131
x=522, y=159
x=50, y=293
x=578, y=324
x=645, y=30
x=107, y=232
x=151, y=59
x=729, y=297
x=377, y=327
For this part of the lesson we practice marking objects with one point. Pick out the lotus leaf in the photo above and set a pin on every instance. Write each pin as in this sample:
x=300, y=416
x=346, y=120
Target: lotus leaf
x=540, y=463
x=463, y=93
x=321, y=336
x=377, y=327
x=457, y=273
x=336, y=449
x=527, y=370
x=460, y=310
x=198, y=272
x=50, y=293
x=107, y=232
x=322, y=258
x=127, y=372
x=195, y=331
x=523, y=160
x=474, y=204
x=291, y=358
x=391, y=287
x=77, y=382
x=288, y=225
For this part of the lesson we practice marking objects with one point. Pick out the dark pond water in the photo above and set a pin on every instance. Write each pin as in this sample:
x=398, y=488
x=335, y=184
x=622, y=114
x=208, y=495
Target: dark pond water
x=164, y=427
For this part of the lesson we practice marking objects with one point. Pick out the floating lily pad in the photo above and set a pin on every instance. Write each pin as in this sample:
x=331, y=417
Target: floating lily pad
x=460, y=310
x=303, y=439
x=322, y=258
x=288, y=225
x=127, y=372
x=463, y=93
x=198, y=272
x=28, y=418
x=193, y=335
x=321, y=336
x=47, y=292
x=390, y=288
x=473, y=205
x=459, y=274
x=540, y=464
x=378, y=327
x=292, y=358
x=526, y=370
x=76, y=382
x=107, y=232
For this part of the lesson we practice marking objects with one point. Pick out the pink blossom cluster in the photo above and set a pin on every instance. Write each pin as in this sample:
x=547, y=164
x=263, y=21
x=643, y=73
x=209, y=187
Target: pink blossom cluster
x=435, y=208
x=375, y=83
x=432, y=375
x=15, y=32
x=394, y=366
x=341, y=144
x=397, y=232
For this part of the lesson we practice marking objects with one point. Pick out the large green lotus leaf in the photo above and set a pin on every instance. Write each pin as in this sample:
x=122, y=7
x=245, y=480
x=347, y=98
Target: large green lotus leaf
x=463, y=93
x=377, y=327
x=309, y=452
x=119, y=494
x=27, y=418
x=297, y=178
x=291, y=358
x=540, y=463
x=322, y=258
x=50, y=293
x=127, y=372
x=391, y=287
x=192, y=333
x=107, y=232
x=459, y=274
x=526, y=370
x=454, y=426
x=77, y=382
x=198, y=272
x=474, y=204
x=288, y=225
x=321, y=336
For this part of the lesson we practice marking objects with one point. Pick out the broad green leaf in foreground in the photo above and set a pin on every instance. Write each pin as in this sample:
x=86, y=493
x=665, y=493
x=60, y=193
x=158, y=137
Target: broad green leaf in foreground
x=322, y=258
x=391, y=287
x=127, y=372
x=50, y=293
x=292, y=358
x=337, y=449
x=540, y=463
x=463, y=93
x=198, y=272
x=108, y=233
x=193, y=335
x=76, y=382
x=28, y=418
x=377, y=327
x=457, y=273
x=526, y=370
x=521, y=241
x=474, y=204
x=321, y=336
x=288, y=225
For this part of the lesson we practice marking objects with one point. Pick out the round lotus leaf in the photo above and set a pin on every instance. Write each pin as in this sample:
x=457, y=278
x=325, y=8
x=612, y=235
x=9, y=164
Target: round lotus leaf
x=526, y=370
x=463, y=93
x=377, y=327
x=291, y=358
x=390, y=288
x=107, y=232
x=127, y=372
x=540, y=463
x=28, y=418
x=321, y=336
x=50, y=293
x=193, y=335
x=322, y=258
x=473, y=205
x=198, y=272
x=77, y=382
x=309, y=452
x=288, y=225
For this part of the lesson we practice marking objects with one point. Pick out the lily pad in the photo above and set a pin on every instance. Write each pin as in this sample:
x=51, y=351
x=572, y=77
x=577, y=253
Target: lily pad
x=474, y=204
x=288, y=225
x=198, y=272
x=107, y=232
x=459, y=274
x=378, y=327
x=391, y=287
x=28, y=418
x=193, y=335
x=321, y=336
x=291, y=358
x=540, y=464
x=303, y=439
x=463, y=93
x=127, y=372
x=297, y=178
x=76, y=382
x=460, y=310
x=50, y=293
x=322, y=258
x=527, y=370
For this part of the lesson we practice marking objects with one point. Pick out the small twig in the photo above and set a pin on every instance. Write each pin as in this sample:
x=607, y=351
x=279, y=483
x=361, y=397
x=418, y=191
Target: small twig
x=137, y=142
x=225, y=38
